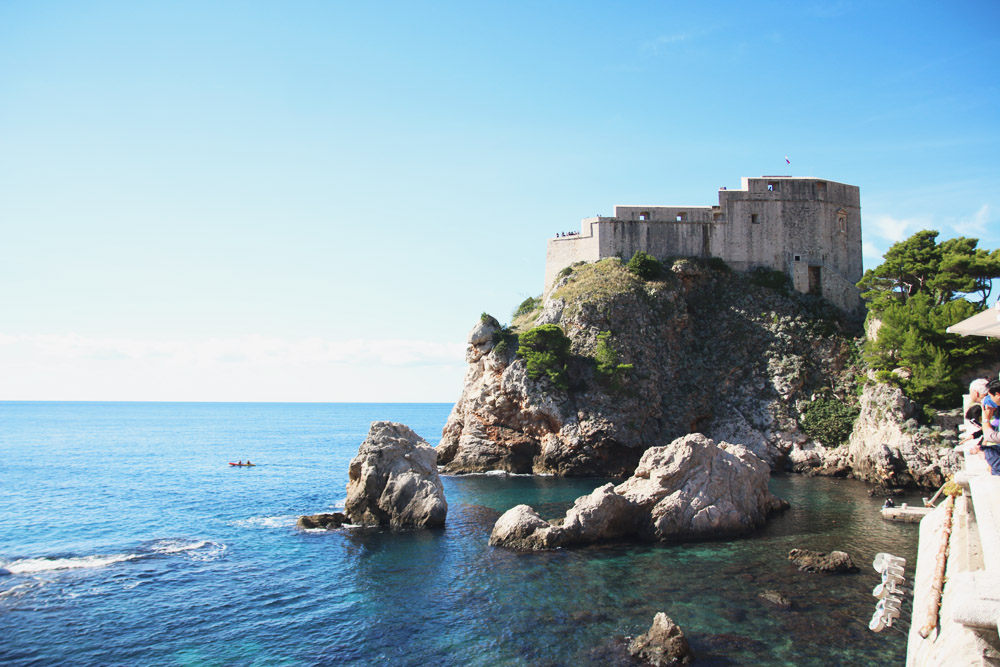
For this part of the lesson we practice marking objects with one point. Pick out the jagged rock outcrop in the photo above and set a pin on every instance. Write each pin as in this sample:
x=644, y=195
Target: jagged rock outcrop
x=692, y=488
x=819, y=561
x=327, y=521
x=711, y=353
x=663, y=645
x=889, y=448
x=393, y=481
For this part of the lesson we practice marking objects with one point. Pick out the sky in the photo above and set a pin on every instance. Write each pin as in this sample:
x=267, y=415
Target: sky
x=315, y=201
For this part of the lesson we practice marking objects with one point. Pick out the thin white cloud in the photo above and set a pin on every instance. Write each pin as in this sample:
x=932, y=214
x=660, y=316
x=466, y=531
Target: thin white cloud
x=663, y=42
x=882, y=231
x=242, y=368
x=977, y=225
x=250, y=349
x=892, y=229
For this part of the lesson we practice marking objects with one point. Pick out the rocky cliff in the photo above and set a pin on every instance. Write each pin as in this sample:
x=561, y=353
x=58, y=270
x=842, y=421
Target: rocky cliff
x=704, y=350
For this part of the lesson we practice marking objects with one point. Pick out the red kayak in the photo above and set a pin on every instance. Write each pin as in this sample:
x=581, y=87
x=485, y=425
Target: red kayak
x=241, y=465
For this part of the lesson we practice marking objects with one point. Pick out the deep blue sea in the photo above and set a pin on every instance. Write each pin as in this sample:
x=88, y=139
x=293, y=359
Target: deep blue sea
x=127, y=539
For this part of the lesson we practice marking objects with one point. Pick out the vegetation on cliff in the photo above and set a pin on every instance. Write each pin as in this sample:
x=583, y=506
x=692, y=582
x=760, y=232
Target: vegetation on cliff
x=921, y=288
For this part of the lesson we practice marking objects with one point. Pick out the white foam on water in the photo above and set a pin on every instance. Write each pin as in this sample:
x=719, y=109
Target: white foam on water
x=176, y=546
x=282, y=521
x=18, y=591
x=35, y=565
x=199, y=550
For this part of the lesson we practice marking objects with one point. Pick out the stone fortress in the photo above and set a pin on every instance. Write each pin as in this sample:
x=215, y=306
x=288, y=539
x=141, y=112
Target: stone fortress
x=808, y=228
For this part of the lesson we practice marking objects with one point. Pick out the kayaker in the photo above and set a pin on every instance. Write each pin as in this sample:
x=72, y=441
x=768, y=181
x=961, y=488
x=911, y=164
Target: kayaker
x=240, y=462
x=248, y=462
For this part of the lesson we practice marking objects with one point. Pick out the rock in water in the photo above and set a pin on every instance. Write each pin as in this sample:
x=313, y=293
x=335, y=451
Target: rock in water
x=691, y=488
x=777, y=598
x=663, y=645
x=818, y=561
x=334, y=520
x=394, y=480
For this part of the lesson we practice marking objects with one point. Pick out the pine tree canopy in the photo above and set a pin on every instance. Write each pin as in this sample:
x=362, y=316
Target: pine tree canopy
x=921, y=289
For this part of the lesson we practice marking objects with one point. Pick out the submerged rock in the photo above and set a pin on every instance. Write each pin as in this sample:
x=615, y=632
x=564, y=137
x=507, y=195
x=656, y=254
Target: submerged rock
x=663, y=645
x=394, y=480
x=818, y=561
x=691, y=488
x=776, y=598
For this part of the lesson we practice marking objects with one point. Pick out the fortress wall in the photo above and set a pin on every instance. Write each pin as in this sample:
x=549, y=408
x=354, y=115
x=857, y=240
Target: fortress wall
x=565, y=251
x=660, y=239
x=808, y=228
x=668, y=213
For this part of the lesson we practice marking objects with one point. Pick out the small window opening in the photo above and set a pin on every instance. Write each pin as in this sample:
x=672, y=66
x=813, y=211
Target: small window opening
x=773, y=186
x=842, y=222
x=644, y=215
x=798, y=258
x=754, y=219
x=682, y=216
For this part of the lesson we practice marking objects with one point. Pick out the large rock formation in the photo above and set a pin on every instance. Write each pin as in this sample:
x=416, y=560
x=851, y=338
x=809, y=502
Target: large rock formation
x=711, y=352
x=889, y=448
x=691, y=488
x=663, y=645
x=394, y=480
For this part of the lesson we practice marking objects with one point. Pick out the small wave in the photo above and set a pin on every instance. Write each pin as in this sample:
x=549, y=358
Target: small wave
x=35, y=565
x=173, y=546
x=17, y=591
x=200, y=550
x=282, y=521
x=499, y=473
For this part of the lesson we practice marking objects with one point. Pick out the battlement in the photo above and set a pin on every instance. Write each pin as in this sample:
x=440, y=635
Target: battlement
x=809, y=228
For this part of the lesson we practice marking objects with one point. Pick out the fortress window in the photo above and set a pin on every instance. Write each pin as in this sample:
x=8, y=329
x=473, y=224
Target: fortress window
x=644, y=215
x=682, y=217
x=773, y=186
x=754, y=219
x=842, y=222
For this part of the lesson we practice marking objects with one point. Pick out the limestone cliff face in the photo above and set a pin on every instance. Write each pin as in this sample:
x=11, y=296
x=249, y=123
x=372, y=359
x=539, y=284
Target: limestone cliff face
x=889, y=448
x=711, y=353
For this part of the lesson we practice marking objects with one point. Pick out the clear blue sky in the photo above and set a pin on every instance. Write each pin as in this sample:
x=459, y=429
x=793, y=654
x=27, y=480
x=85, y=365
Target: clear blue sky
x=315, y=200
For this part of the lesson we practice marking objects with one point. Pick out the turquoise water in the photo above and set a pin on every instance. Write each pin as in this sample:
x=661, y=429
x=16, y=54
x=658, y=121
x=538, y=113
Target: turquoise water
x=126, y=539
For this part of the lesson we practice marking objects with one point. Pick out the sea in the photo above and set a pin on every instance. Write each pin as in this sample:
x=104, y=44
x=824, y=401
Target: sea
x=126, y=538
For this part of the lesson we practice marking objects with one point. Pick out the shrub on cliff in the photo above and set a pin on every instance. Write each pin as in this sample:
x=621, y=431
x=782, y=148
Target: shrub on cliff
x=771, y=279
x=645, y=266
x=829, y=420
x=606, y=356
x=528, y=305
x=545, y=350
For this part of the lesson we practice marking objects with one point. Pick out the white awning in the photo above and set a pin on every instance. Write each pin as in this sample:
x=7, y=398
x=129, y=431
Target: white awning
x=986, y=323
